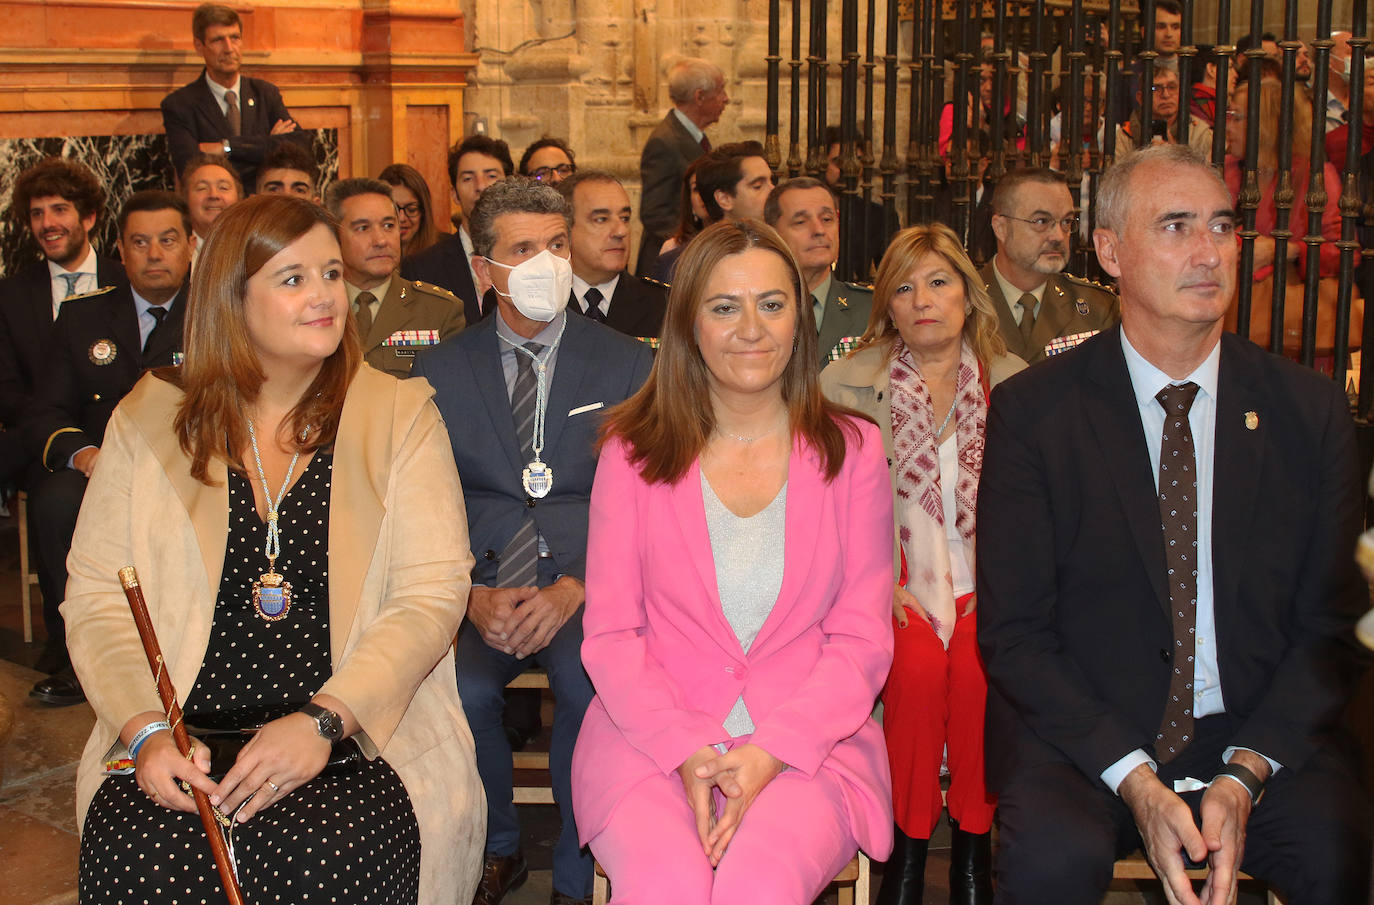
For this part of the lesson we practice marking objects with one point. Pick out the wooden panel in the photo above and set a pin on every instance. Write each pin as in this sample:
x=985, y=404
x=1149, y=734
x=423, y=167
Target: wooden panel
x=426, y=149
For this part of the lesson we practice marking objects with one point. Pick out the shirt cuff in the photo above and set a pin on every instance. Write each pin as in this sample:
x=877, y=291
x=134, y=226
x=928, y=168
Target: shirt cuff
x=1274, y=766
x=1114, y=775
x=72, y=458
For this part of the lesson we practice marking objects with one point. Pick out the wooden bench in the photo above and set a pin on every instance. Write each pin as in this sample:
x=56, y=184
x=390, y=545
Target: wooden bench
x=532, y=760
x=1135, y=867
x=852, y=880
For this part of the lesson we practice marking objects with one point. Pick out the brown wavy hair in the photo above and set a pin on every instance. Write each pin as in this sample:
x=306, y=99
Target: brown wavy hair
x=911, y=245
x=221, y=375
x=667, y=423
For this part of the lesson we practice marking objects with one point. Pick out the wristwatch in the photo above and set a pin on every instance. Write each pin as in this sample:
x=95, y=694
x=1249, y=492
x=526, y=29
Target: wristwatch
x=328, y=723
x=1245, y=777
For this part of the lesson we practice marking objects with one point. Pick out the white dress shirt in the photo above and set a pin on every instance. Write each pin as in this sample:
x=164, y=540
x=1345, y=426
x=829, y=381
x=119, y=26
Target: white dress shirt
x=607, y=289
x=218, y=91
x=88, y=282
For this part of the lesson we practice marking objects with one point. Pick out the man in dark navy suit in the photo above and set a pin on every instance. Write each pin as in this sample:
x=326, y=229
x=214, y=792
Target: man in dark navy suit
x=223, y=111
x=477, y=163
x=1166, y=592
x=530, y=538
x=599, y=233
x=101, y=345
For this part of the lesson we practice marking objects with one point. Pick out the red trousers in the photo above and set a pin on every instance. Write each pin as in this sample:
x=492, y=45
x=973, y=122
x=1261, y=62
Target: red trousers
x=935, y=699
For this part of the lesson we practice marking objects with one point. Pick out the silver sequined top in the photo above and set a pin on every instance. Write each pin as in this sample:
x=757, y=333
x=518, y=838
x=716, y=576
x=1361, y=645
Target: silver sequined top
x=748, y=556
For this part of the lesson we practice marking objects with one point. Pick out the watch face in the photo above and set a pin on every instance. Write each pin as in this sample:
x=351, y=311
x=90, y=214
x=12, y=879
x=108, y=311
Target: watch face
x=331, y=725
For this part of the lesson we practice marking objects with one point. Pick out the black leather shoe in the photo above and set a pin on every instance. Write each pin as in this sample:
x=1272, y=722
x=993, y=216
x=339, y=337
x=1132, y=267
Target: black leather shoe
x=500, y=876
x=904, y=875
x=970, y=867
x=558, y=898
x=61, y=690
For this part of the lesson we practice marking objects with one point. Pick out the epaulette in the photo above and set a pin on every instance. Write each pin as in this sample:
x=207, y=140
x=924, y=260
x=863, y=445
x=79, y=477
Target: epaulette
x=658, y=283
x=866, y=287
x=89, y=295
x=1092, y=284
x=431, y=289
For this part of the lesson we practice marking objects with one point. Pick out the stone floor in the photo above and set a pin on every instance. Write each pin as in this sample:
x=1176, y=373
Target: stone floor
x=38, y=842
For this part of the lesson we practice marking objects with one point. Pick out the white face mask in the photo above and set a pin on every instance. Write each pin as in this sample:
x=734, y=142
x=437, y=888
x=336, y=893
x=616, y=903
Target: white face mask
x=539, y=287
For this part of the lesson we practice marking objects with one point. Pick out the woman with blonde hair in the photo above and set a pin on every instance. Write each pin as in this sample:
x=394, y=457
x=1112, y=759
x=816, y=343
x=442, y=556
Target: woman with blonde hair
x=296, y=521
x=923, y=371
x=736, y=625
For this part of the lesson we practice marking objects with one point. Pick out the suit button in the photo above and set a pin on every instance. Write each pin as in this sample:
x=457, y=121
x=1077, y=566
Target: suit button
x=95, y=398
x=1164, y=654
x=880, y=397
x=489, y=555
x=530, y=502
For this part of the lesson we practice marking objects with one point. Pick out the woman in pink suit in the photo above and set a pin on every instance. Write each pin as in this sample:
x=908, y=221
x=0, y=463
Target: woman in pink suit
x=738, y=592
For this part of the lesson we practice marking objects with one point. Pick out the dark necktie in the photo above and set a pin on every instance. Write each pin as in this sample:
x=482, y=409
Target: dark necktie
x=160, y=315
x=519, y=563
x=1027, y=303
x=1178, y=520
x=705, y=144
x=231, y=113
x=365, y=300
x=593, y=299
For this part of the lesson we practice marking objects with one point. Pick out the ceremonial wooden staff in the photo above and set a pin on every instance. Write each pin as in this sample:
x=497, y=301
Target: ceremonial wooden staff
x=128, y=578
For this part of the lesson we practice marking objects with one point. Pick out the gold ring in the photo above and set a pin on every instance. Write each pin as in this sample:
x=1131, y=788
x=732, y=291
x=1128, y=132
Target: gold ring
x=275, y=787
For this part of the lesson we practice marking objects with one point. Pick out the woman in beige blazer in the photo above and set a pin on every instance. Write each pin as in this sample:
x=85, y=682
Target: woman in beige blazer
x=374, y=547
x=923, y=370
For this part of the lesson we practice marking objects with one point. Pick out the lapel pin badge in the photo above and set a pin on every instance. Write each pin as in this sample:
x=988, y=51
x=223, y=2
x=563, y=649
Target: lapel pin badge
x=1251, y=420
x=1082, y=306
x=250, y=102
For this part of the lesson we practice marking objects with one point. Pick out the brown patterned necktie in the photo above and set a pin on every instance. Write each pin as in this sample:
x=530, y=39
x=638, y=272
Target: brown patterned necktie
x=231, y=103
x=1178, y=521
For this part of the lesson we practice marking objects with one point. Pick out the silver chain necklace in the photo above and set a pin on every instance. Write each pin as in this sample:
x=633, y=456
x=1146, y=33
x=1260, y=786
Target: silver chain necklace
x=272, y=594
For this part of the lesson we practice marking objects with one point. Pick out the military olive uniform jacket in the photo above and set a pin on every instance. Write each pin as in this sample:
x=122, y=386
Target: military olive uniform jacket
x=1068, y=305
x=409, y=305
x=847, y=306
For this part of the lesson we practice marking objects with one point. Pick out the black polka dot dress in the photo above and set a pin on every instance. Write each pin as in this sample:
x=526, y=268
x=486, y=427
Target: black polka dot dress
x=351, y=838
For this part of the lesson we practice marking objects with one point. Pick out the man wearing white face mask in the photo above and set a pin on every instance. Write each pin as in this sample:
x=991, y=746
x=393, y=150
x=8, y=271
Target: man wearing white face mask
x=523, y=394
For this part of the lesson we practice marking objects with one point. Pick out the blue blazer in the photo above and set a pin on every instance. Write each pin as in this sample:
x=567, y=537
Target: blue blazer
x=596, y=369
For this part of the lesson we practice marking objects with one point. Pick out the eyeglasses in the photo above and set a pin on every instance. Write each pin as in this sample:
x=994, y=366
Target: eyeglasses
x=411, y=210
x=564, y=170
x=1043, y=224
x=1165, y=89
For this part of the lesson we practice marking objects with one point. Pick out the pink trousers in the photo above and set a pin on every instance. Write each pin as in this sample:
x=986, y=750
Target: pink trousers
x=791, y=843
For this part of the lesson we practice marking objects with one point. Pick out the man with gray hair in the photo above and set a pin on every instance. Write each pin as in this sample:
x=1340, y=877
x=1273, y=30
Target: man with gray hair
x=522, y=393
x=1166, y=594
x=697, y=90
x=396, y=318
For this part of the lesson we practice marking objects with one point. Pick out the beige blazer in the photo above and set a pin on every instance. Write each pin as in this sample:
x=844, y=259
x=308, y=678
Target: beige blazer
x=861, y=381
x=398, y=580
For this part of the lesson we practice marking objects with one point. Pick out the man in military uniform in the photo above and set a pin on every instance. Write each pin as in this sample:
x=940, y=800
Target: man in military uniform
x=805, y=213
x=1036, y=303
x=599, y=232
x=101, y=345
x=396, y=318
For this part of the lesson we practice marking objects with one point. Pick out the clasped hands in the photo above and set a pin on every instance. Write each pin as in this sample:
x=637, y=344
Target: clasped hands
x=522, y=621
x=1167, y=829
x=741, y=775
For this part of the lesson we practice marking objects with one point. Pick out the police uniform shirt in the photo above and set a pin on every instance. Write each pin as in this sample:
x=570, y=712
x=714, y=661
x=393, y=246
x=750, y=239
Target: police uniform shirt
x=607, y=290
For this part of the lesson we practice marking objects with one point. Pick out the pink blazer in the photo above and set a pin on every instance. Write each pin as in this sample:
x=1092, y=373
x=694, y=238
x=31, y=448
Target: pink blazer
x=667, y=666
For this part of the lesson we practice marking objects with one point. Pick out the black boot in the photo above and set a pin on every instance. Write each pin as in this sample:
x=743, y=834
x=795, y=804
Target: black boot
x=904, y=876
x=970, y=867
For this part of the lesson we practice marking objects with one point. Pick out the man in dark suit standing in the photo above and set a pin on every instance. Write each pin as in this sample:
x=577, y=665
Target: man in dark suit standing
x=61, y=201
x=806, y=214
x=697, y=90
x=224, y=112
x=599, y=231
x=101, y=346
x=522, y=393
x=1037, y=303
x=476, y=164
x=1165, y=585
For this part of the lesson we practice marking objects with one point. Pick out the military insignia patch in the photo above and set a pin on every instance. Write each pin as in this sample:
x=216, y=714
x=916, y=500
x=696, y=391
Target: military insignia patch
x=1081, y=305
x=102, y=352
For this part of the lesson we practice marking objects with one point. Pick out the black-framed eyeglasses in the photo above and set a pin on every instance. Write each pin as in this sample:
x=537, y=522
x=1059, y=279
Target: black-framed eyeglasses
x=1042, y=224
x=543, y=174
x=411, y=210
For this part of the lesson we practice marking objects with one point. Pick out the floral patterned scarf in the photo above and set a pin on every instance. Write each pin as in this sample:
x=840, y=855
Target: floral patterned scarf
x=920, y=509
